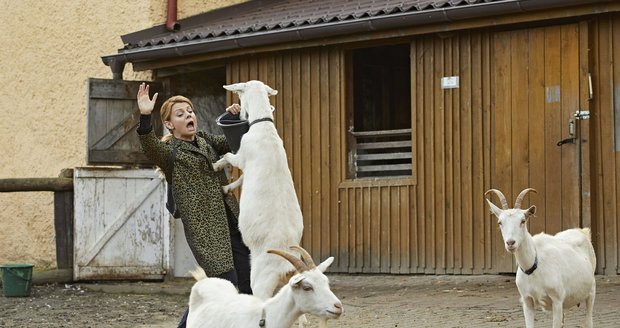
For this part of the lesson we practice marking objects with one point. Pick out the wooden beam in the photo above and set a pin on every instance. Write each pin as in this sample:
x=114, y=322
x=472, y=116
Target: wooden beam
x=36, y=184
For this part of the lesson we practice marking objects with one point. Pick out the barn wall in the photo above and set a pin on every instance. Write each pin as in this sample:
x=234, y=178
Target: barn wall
x=434, y=222
x=308, y=118
x=604, y=135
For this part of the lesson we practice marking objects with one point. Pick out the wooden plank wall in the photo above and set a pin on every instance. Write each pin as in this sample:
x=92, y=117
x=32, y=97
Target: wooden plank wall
x=309, y=118
x=436, y=221
x=452, y=231
x=433, y=222
x=605, y=152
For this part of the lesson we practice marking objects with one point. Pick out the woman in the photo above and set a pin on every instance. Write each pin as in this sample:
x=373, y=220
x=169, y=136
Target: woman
x=209, y=217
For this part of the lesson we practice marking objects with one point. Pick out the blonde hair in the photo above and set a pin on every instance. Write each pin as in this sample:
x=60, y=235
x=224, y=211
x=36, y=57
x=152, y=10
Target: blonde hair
x=166, y=110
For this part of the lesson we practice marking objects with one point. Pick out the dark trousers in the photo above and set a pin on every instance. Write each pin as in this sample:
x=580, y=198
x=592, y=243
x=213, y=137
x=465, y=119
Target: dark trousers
x=240, y=275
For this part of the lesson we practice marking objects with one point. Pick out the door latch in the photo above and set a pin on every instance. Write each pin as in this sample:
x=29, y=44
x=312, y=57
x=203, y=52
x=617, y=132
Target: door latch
x=582, y=115
x=566, y=141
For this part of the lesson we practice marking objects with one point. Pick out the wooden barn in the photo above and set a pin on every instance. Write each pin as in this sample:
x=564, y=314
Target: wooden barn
x=397, y=116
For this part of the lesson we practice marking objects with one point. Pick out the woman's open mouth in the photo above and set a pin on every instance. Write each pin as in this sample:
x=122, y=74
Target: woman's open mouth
x=190, y=125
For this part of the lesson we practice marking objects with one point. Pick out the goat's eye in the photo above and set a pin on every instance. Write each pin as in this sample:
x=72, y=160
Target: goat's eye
x=500, y=224
x=523, y=222
x=307, y=288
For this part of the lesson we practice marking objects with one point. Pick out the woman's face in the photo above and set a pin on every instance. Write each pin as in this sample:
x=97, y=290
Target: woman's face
x=182, y=123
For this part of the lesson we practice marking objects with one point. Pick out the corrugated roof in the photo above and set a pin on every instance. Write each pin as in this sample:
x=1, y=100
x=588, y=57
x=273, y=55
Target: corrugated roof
x=279, y=15
x=267, y=22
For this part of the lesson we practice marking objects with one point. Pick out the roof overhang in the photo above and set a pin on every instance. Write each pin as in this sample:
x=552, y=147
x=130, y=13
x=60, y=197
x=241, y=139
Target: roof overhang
x=255, y=39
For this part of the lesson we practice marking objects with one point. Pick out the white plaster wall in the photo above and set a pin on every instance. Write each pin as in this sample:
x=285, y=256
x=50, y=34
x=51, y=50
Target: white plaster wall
x=47, y=54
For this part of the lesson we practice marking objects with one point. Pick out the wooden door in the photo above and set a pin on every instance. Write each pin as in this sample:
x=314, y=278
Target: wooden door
x=538, y=80
x=112, y=120
x=121, y=224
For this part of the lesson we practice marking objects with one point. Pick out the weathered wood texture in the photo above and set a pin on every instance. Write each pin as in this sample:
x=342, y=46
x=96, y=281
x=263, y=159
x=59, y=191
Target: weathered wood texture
x=534, y=133
x=112, y=118
x=121, y=224
x=605, y=149
x=500, y=128
x=36, y=184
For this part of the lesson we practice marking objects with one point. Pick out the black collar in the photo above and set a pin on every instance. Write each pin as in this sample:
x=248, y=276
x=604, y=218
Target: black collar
x=533, y=268
x=264, y=119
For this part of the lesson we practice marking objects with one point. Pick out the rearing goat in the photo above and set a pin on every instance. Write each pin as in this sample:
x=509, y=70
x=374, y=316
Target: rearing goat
x=269, y=213
x=556, y=272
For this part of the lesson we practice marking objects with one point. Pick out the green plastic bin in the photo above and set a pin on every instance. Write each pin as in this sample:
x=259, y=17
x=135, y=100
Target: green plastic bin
x=16, y=279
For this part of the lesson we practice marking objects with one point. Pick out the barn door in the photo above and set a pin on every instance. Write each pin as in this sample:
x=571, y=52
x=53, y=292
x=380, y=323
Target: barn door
x=121, y=225
x=112, y=119
x=539, y=102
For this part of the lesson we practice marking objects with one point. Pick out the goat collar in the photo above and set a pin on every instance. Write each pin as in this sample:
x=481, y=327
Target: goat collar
x=533, y=268
x=261, y=323
x=264, y=119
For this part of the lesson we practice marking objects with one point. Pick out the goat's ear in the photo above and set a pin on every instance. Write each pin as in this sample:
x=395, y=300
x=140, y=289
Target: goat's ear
x=271, y=91
x=325, y=264
x=530, y=211
x=494, y=209
x=237, y=87
x=295, y=280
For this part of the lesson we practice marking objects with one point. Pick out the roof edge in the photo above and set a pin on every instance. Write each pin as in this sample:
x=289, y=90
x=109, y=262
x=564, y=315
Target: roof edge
x=304, y=33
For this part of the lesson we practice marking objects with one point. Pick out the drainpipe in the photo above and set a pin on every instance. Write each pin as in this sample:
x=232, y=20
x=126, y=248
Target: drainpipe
x=171, y=22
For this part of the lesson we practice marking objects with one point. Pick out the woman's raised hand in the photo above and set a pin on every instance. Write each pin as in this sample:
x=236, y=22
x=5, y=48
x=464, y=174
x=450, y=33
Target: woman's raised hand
x=234, y=109
x=145, y=104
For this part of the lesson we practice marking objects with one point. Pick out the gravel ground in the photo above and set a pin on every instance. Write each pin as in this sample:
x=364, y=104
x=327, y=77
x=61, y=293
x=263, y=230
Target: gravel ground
x=369, y=301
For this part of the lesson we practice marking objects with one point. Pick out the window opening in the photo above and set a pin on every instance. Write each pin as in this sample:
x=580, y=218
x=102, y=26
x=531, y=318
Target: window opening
x=380, y=136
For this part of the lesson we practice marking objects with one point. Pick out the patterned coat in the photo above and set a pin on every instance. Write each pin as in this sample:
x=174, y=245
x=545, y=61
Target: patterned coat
x=197, y=190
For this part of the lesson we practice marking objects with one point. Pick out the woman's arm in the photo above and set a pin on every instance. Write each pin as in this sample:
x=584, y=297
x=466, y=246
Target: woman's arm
x=155, y=149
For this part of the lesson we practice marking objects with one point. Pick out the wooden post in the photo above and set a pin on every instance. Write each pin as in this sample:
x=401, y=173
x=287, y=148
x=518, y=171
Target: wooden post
x=63, y=209
x=63, y=224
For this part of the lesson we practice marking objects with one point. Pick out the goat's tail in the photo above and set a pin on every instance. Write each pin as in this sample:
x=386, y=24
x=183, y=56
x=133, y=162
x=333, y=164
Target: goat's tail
x=588, y=233
x=198, y=273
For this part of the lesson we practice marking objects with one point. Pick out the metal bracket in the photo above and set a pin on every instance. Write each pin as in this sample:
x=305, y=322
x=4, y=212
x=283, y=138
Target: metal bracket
x=582, y=115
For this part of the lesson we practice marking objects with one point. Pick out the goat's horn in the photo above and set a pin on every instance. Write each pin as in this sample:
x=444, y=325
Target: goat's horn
x=521, y=196
x=305, y=256
x=501, y=197
x=299, y=265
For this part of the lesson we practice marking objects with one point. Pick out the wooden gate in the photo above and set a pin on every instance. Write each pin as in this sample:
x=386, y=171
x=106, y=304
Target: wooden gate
x=539, y=83
x=121, y=228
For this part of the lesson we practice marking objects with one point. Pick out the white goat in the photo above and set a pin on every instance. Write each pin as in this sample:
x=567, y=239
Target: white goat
x=269, y=213
x=557, y=272
x=215, y=303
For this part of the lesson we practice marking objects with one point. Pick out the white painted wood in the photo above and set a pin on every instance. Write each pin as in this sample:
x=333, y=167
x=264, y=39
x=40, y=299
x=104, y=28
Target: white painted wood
x=121, y=224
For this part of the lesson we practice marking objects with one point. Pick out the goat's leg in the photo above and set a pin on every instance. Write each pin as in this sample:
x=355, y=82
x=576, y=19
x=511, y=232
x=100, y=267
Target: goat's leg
x=264, y=275
x=302, y=321
x=220, y=164
x=233, y=185
x=590, y=307
x=228, y=158
x=558, y=313
x=528, y=311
